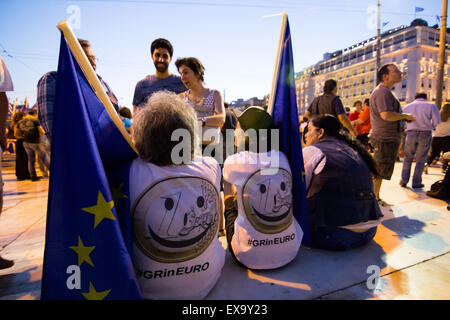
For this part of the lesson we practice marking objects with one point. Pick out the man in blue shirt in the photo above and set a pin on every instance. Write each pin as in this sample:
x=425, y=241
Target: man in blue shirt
x=418, y=137
x=162, y=51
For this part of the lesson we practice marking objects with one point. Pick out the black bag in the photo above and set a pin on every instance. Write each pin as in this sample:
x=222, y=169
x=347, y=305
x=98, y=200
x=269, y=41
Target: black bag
x=29, y=130
x=435, y=187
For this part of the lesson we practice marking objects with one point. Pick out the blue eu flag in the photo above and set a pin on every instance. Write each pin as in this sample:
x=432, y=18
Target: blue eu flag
x=87, y=247
x=285, y=118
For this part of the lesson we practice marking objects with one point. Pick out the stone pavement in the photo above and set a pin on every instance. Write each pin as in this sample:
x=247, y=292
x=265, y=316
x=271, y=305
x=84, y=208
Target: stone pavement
x=411, y=252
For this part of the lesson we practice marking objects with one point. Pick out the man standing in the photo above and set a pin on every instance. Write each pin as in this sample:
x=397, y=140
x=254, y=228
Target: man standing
x=162, y=51
x=418, y=137
x=330, y=103
x=386, y=119
x=5, y=85
x=46, y=92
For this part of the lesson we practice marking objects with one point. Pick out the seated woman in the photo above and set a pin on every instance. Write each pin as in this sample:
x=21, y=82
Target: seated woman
x=261, y=230
x=207, y=103
x=343, y=210
x=175, y=207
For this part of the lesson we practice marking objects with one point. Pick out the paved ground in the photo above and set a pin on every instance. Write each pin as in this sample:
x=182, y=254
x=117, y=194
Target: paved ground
x=411, y=251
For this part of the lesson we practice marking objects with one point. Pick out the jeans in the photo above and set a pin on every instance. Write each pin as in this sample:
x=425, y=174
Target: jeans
x=417, y=143
x=339, y=239
x=42, y=150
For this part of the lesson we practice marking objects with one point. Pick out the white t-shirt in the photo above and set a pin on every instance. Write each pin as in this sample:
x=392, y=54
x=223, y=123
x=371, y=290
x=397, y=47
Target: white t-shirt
x=266, y=234
x=442, y=129
x=5, y=78
x=175, y=216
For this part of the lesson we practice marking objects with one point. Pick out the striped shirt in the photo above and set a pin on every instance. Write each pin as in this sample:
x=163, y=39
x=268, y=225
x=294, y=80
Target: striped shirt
x=46, y=97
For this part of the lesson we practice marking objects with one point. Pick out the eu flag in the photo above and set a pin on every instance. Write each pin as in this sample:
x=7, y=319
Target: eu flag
x=285, y=118
x=87, y=239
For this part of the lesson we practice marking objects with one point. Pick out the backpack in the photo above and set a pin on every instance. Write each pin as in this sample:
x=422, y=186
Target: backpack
x=29, y=130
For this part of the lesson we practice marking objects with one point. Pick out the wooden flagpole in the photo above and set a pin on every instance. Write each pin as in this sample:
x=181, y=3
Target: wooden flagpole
x=89, y=72
x=277, y=63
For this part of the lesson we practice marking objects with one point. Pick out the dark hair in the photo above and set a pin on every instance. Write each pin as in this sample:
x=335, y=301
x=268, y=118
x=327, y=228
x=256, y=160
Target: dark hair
x=329, y=85
x=420, y=95
x=367, y=101
x=125, y=112
x=32, y=112
x=192, y=63
x=226, y=105
x=333, y=128
x=357, y=102
x=84, y=43
x=161, y=43
x=382, y=71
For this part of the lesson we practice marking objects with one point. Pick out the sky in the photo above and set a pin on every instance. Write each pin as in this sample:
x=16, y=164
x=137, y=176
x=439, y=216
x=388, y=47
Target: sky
x=234, y=39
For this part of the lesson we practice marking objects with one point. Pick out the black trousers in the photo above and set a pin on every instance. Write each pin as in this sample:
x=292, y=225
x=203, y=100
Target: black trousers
x=438, y=145
x=22, y=172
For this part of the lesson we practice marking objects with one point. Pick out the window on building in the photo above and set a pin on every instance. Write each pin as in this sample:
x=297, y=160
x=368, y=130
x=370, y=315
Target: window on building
x=410, y=35
x=405, y=56
x=398, y=39
x=387, y=43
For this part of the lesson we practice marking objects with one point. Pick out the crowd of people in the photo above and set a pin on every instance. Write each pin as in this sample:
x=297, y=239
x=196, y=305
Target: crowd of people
x=179, y=210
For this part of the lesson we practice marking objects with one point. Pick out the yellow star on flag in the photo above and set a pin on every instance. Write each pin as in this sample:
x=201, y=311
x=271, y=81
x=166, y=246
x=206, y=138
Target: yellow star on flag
x=117, y=193
x=83, y=252
x=94, y=295
x=102, y=210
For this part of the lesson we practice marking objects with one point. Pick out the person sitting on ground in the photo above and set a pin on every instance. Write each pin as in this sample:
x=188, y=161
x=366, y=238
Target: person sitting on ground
x=34, y=141
x=441, y=189
x=342, y=207
x=261, y=230
x=125, y=116
x=441, y=139
x=175, y=205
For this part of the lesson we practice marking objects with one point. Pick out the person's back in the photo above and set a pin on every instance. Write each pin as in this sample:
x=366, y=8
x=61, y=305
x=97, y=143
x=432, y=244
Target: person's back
x=265, y=232
x=342, y=193
x=175, y=206
x=175, y=212
x=426, y=113
x=262, y=232
x=323, y=104
x=342, y=206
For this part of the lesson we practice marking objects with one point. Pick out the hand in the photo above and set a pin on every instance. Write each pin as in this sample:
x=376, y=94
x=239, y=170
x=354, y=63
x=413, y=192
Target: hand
x=409, y=117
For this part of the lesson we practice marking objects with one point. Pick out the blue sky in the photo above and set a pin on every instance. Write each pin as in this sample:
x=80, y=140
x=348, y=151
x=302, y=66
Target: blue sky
x=235, y=43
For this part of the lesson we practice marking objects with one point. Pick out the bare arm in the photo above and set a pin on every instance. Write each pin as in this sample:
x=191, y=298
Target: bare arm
x=346, y=123
x=395, y=116
x=218, y=119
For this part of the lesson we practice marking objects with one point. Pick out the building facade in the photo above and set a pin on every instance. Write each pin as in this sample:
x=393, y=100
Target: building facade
x=413, y=49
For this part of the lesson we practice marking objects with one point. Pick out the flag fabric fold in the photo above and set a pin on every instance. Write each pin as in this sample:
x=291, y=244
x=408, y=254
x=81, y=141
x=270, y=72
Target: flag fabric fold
x=285, y=118
x=86, y=254
x=418, y=9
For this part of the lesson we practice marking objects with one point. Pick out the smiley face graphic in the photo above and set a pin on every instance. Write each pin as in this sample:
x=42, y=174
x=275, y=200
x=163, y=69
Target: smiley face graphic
x=267, y=200
x=176, y=219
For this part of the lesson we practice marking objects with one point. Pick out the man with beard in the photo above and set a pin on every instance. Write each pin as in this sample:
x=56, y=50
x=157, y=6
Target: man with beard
x=161, y=51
